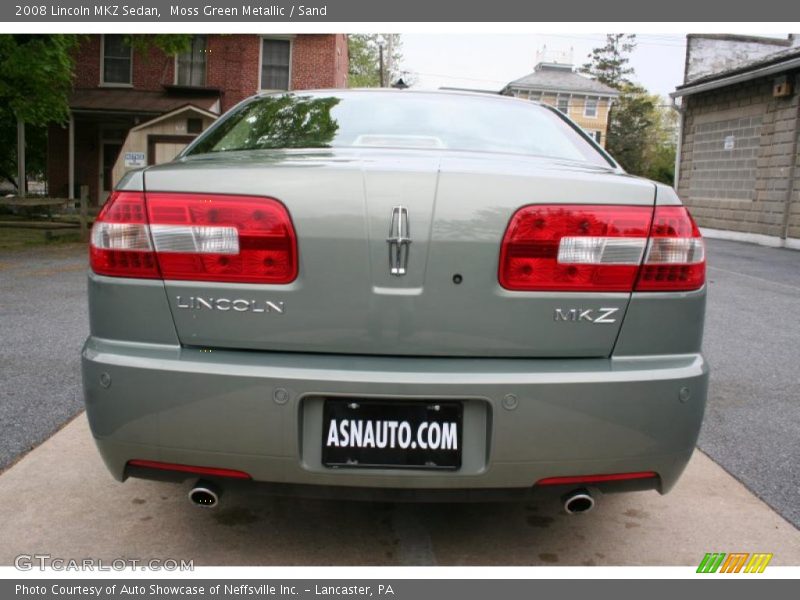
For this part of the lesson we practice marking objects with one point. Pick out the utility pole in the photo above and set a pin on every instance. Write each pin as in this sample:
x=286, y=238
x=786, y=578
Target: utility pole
x=382, y=71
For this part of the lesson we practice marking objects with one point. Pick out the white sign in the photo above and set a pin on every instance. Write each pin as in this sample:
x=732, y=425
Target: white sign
x=730, y=142
x=134, y=159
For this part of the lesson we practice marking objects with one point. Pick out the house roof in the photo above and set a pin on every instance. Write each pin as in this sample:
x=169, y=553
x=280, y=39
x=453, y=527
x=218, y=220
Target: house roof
x=181, y=109
x=561, y=78
x=124, y=100
x=774, y=63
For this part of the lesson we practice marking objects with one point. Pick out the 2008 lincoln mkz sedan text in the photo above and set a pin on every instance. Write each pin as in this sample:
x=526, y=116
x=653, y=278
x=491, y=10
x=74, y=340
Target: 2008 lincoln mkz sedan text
x=396, y=294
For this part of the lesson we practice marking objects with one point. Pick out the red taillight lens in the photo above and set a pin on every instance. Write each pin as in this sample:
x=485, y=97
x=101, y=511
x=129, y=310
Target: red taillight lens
x=120, y=244
x=222, y=238
x=197, y=237
x=675, y=259
x=574, y=248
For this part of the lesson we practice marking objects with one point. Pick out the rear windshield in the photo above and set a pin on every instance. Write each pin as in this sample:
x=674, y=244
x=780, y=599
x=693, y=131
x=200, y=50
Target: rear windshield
x=396, y=120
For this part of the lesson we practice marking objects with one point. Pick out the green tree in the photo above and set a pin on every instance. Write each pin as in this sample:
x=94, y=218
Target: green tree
x=659, y=163
x=36, y=72
x=641, y=127
x=364, y=52
x=609, y=64
x=169, y=43
x=36, y=148
x=35, y=80
x=641, y=134
x=629, y=128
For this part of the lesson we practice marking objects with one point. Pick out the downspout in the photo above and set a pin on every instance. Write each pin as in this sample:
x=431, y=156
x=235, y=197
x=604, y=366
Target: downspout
x=790, y=187
x=678, y=108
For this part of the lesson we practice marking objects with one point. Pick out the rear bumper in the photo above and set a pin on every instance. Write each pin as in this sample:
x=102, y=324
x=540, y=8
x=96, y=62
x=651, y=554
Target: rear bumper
x=524, y=419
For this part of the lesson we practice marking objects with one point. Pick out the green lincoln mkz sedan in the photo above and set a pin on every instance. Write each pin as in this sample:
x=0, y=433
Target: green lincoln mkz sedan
x=396, y=294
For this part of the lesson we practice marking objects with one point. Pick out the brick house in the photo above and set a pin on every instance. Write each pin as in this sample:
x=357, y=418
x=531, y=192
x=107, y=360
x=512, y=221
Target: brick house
x=738, y=167
x=584, y=100
x=131, y=107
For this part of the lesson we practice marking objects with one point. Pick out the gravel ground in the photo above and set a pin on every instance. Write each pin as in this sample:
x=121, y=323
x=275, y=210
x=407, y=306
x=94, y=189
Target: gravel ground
x=43, y=323
x=752, y=342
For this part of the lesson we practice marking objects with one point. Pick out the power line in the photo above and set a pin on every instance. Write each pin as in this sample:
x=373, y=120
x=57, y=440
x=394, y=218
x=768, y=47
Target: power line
x=456, y=77
x=498, y=81
x=637, y=41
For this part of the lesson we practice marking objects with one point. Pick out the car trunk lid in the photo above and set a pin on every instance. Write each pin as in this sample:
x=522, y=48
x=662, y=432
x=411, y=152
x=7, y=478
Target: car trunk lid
x=441, y=214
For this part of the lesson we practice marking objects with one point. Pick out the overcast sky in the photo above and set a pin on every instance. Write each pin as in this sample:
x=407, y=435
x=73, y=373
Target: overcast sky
x=489, y=61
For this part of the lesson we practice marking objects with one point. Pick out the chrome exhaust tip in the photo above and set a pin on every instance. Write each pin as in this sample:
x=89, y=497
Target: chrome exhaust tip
x=205, y=494
x=578, y=501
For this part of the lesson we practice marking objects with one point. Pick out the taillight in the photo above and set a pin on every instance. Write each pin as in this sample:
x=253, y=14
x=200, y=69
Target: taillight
x=120, y=244
x=675, y=258
x=197, y=237
x=601, y=248
x=222, y=238
x=574, y=248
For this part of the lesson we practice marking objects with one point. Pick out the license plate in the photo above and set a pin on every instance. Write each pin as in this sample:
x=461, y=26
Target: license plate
x=410, y=434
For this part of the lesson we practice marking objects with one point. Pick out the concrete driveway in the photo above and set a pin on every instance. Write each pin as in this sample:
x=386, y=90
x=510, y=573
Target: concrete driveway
x=65, y=504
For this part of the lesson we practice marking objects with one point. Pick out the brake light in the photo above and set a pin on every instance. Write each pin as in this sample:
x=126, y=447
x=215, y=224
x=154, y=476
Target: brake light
x=597, y=248
x=675, y=259
x=197, y=237
x=574, y=248
x=120, y=243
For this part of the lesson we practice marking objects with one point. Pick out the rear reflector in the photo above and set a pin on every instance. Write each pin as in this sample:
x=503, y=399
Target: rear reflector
x=583, y=479
x=601, y=249
x=197, y=237
x=207, y=471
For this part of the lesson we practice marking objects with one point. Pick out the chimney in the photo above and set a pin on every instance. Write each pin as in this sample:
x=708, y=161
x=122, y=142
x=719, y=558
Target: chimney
x=554, y=58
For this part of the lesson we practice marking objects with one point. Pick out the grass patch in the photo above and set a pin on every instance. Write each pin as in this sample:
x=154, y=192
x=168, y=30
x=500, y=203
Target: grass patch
x=17, y=238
